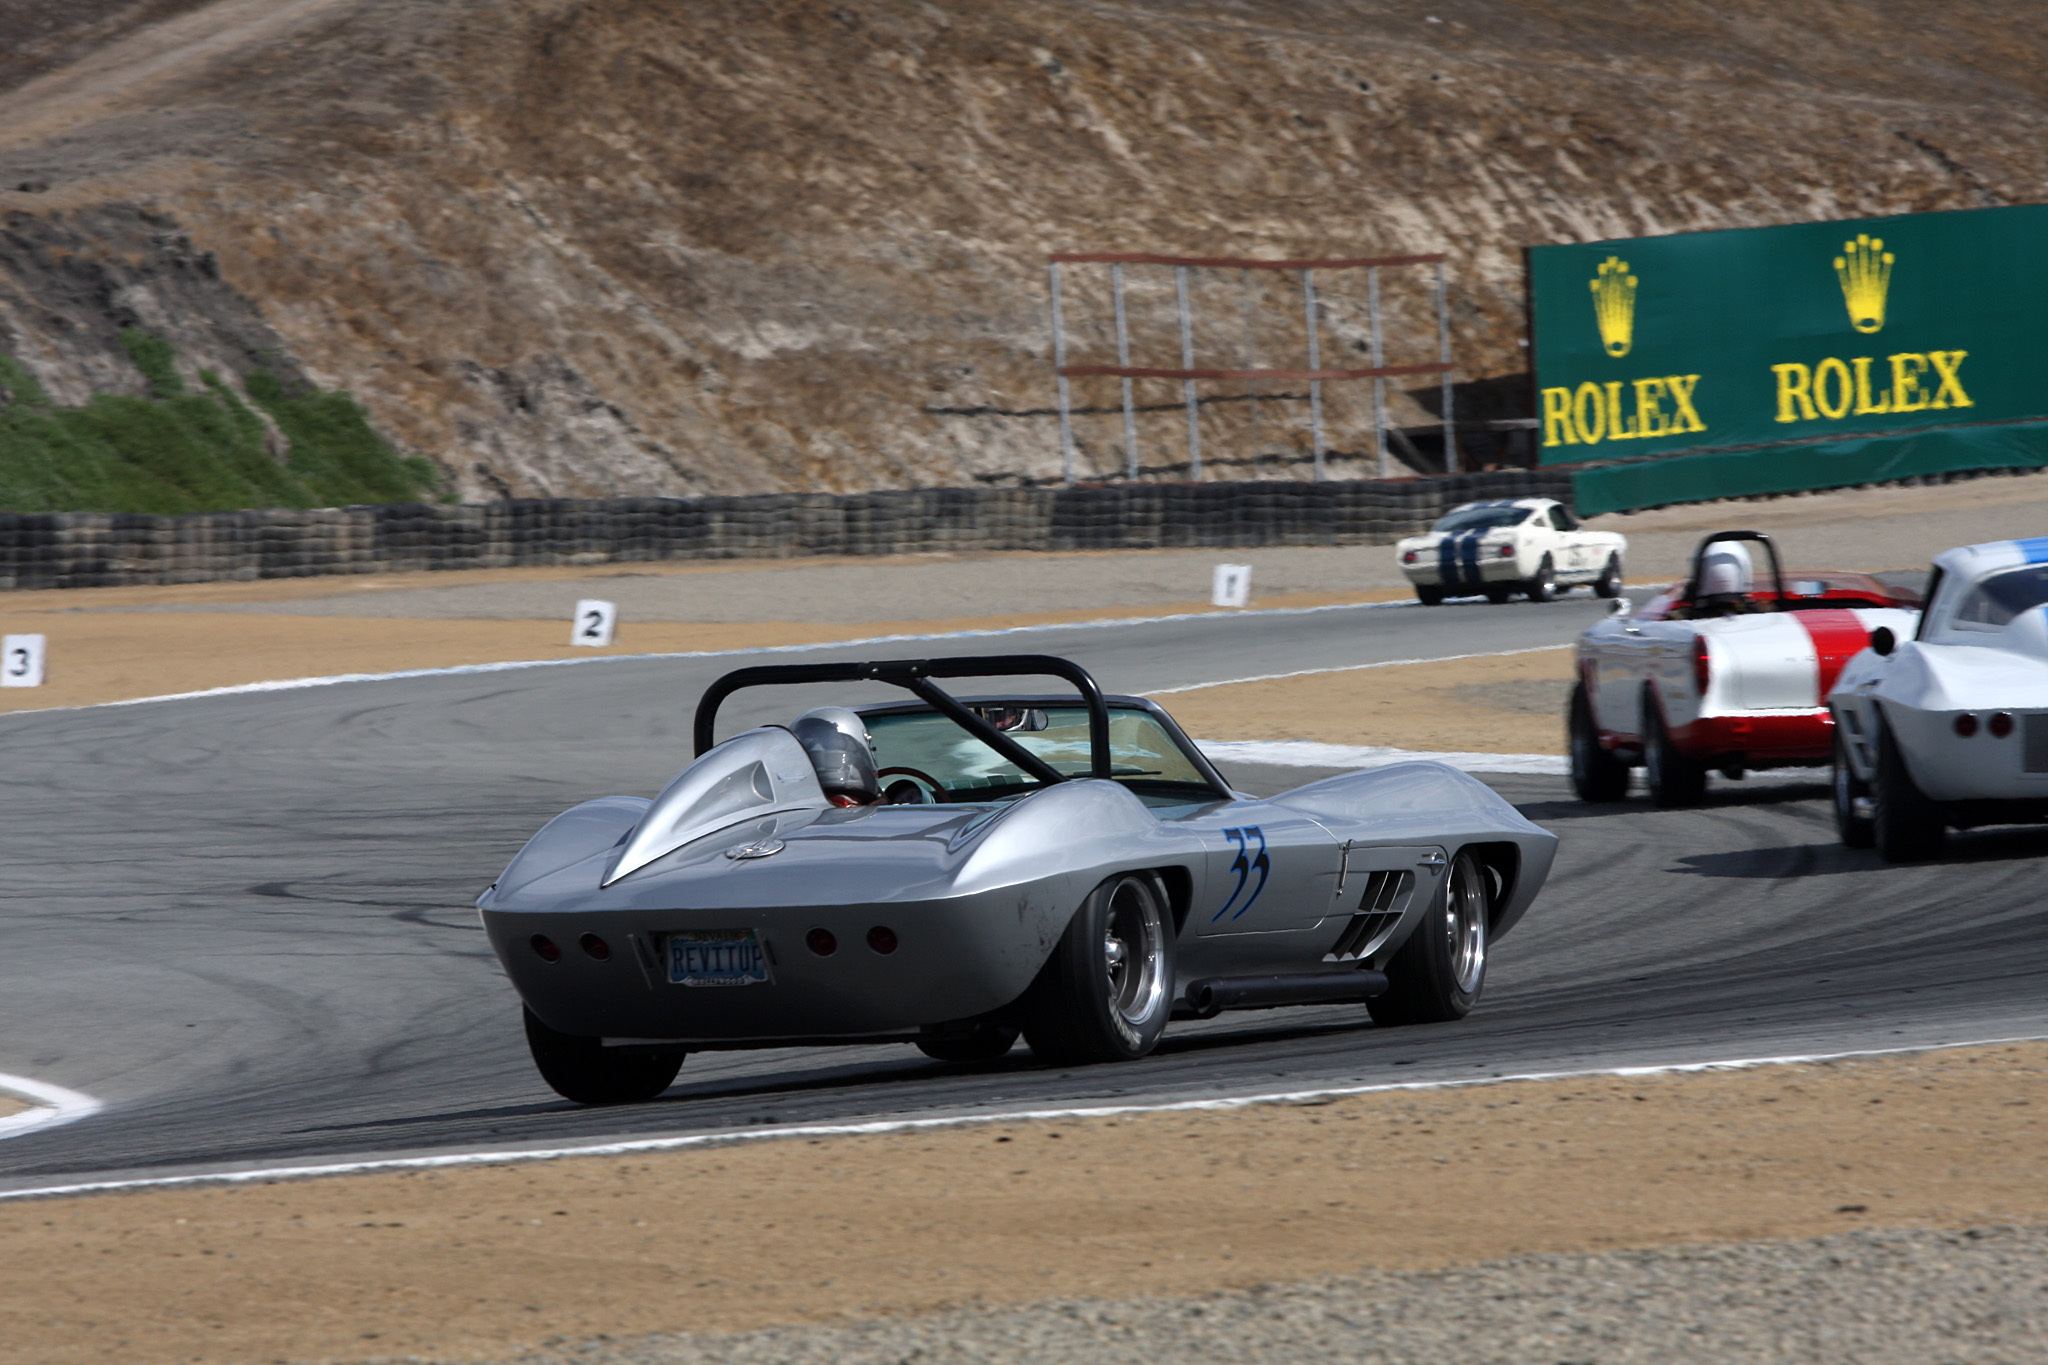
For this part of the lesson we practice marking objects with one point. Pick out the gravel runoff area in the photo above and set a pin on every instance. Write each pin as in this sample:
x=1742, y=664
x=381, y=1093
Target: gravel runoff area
x=1872, y=1297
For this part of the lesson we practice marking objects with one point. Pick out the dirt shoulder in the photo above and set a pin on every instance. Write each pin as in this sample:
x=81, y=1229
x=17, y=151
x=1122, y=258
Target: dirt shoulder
x=1492, y=704
x=480, y=1263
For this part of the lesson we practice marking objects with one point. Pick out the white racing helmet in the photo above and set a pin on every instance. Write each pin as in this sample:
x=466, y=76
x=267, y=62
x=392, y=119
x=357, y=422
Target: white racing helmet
x=842, y=752
x=1725, y=570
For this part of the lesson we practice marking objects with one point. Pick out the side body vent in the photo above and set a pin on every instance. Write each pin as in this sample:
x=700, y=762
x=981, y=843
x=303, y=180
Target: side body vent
x=1379, y=910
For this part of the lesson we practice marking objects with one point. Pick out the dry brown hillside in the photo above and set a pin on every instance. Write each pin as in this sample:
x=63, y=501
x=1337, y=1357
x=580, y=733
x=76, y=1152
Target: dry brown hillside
x=646, y=246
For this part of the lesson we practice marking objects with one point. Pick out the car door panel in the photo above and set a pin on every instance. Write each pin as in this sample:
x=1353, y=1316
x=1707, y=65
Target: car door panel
x=1268, y=869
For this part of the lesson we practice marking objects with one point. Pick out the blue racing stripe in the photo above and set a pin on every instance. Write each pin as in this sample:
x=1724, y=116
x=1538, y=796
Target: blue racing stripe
x=1469, y=552
x=2034, y=548
x=1447, y=561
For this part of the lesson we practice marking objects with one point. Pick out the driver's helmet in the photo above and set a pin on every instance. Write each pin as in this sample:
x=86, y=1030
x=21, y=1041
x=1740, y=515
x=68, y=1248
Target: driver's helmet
x=1724, y=573
x=842, y=752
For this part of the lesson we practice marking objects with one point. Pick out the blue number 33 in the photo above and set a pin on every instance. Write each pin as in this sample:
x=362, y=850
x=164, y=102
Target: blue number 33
x=1245, y=864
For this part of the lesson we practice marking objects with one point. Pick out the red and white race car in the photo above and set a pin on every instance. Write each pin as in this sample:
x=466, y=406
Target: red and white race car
x=1717, y=674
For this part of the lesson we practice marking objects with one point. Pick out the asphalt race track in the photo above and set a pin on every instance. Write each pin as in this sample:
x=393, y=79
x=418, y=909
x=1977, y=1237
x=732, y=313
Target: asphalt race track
x=245, y=922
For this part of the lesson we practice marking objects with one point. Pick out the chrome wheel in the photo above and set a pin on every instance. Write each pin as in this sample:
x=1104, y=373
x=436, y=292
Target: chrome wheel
x=1105, y=993
x=1465, y=926
x=1436, y=976
x=1131, y=951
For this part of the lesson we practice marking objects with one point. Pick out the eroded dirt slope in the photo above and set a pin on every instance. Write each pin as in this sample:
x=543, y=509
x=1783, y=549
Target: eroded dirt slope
x=626, y=246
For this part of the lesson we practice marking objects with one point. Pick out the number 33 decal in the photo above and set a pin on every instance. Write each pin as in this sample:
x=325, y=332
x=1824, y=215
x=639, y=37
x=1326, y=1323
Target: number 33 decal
x=1244, y=865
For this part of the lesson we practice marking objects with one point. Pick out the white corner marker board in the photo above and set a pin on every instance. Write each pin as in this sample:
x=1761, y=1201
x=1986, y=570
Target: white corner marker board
x=595, y=622
x=1233, y=585
x=21, y=660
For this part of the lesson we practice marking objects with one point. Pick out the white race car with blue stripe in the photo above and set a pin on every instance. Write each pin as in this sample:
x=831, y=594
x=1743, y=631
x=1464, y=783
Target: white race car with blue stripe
x=1530, y=546
x=1949, y=728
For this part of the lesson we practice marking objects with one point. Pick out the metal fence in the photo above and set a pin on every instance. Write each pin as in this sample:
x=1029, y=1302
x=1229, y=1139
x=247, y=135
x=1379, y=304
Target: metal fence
x=1315, y=374
x=88, y=549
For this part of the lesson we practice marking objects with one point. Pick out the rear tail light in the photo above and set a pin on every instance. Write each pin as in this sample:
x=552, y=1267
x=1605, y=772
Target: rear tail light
x=882, y=939
x=1506, y=552
x=2001, y=724
x=1410, y=557
x=596, y=947
x=1966, y=725
x=545, y=948
x=1702, y=667
x=821, y=942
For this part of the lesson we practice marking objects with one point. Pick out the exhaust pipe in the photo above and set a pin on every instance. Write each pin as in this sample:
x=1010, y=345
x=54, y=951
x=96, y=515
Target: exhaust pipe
x=1212, y=995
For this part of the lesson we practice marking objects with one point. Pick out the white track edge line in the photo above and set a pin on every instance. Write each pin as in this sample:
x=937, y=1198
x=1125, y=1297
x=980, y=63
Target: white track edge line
x=49, y=1105
x=513, y=665
x=877, y=1127
x=1356, y=668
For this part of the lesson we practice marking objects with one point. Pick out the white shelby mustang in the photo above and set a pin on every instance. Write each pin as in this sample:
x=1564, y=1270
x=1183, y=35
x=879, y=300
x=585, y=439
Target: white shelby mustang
x=1950, y=727
x=1530, y=546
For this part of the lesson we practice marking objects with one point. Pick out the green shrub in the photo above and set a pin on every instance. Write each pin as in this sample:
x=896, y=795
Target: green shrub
x=180, y=451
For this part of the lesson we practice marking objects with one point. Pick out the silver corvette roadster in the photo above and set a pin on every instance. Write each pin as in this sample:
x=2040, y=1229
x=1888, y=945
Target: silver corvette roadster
x=951, y=872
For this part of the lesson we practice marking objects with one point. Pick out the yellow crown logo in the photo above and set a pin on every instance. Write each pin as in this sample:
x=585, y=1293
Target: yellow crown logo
x=1865, y=270
x=1614, y=305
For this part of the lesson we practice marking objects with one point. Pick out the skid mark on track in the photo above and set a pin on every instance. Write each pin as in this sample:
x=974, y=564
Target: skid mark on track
x=885, y=1127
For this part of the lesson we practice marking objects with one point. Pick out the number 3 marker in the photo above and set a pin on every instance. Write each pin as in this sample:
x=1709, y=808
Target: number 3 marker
x=21, y=661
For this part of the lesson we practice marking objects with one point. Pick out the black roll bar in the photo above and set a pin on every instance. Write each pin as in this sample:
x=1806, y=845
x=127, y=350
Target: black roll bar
x=914, y=676
x=1692, y=584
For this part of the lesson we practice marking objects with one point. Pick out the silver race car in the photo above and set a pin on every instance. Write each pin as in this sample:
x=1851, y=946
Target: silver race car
x=952, y=871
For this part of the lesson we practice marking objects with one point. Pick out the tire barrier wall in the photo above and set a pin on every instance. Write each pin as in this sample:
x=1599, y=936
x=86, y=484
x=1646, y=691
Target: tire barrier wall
x=93, y=549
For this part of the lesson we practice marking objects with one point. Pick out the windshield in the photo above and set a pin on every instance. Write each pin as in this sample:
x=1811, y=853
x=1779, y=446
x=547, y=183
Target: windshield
x=1481, y=518
x=1999, y=598
x=929, y=746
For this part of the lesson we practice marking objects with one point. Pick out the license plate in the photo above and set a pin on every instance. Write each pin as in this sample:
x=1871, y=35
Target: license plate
x=731, y=957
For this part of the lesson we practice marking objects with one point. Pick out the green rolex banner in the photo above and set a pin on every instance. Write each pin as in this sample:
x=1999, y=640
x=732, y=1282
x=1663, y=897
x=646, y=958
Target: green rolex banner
x=1815, y=355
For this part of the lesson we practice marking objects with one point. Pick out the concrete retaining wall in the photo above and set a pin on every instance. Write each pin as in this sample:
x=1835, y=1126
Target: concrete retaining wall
x=90, y=549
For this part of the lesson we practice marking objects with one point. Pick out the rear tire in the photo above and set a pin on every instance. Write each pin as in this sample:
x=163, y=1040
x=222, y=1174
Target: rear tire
x=1436, y=976
x=1543, y=587
x=1674, y=779
x=1105, y=993
x=586, y=1071
x=985, y=1044
x=1597, y=775
x=1429, y=594
x=1906, y=826
x=1608, y=584
x=1846, y=787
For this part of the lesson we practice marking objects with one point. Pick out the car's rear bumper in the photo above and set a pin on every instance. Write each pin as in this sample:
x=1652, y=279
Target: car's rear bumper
x=1768, y=739
x=1472, y=576
x=954, y=959
x=1978, y=767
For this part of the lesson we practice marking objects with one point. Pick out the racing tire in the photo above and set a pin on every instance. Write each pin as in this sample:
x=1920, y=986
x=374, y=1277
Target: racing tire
x=586, y=1071
x=1499, y=594
x=985, y=1044
x=1543, y=587
x=1846, y=788
x=1429, y=594
x=1105, y=993
x=1608, y=584
x=1436, y=976
x=1597, y=775
x=1674, y=779
x=1905, y=826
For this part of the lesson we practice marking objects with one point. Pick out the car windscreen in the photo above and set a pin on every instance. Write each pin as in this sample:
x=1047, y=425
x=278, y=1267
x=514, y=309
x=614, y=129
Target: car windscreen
x=1481, y=518
x=929, y=745
x=1999, y=598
